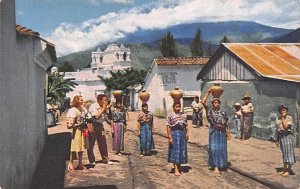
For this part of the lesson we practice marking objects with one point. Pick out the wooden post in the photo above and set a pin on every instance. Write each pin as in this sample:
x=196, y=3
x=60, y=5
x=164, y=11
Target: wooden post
x=297, y=119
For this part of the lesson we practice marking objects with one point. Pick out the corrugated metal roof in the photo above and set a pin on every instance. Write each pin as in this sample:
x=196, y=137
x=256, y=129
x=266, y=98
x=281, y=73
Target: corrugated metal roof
x=172, y=61
x=273, y=60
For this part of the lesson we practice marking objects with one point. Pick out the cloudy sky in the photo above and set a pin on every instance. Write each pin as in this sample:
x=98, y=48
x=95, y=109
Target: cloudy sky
x=76, y=25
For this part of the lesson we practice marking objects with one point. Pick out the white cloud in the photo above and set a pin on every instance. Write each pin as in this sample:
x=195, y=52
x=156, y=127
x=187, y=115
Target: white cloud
x=115, y=25
x=99, y=2
x=119, y=1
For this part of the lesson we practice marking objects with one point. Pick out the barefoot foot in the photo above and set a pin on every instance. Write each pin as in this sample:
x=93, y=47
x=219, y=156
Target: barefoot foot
x=71, y=167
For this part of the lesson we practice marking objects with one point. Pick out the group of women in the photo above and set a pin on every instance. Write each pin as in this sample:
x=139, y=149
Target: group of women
x=219, y=133
x=177, y=132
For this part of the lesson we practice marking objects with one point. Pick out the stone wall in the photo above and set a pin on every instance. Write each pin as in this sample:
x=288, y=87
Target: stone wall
x=266, y=96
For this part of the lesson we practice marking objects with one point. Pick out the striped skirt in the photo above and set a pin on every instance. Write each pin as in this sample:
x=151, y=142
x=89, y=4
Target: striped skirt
x=118, y=139
x=146, y=137
x=217, y=149
x=287, y=148
x=178, y=150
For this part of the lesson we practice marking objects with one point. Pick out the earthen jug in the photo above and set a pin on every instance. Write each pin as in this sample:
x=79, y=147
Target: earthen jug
x=144, y=96
x=176, y=94
x=216, y=90
x=117, y=94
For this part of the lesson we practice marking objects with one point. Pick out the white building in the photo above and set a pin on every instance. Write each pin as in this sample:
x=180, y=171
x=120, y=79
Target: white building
x=24, y=59
x=89, y=84
x=166, y=73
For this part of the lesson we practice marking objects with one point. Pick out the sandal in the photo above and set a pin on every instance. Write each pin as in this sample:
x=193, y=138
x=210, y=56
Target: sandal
x=70, y=168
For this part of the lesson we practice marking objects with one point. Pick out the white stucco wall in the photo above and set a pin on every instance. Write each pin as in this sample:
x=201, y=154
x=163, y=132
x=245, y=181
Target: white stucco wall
x=87, y=89
x=22, y=89
x=162, y=79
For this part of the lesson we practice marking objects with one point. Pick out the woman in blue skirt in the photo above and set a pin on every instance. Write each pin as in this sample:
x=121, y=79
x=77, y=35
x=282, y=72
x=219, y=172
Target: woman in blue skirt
x=178, y=136
x=217, y=136
x=145, y=128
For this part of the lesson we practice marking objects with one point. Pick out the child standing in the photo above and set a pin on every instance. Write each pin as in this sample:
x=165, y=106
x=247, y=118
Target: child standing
x=237, y=119
x=247, y=117
x=284, y=125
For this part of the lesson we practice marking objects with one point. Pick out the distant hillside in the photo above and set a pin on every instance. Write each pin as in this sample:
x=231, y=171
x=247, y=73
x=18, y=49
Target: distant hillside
x=144, y=44
x=292, y=37
x=236, y=31
x=142, y=55
x=78, y=60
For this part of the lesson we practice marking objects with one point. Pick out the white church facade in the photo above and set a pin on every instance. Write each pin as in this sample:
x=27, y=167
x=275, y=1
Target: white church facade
x=113, y=58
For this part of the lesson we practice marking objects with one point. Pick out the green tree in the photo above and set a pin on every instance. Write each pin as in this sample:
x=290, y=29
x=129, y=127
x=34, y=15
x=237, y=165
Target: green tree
x=224, y=40
x=66, y=67
x=122, y=79
x=58, y=87
x=196, y=45
x=209, y=49
x=167, y=46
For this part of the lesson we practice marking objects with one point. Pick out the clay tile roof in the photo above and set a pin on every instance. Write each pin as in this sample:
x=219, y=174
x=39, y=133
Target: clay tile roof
x=25, y=31
x=172, y=61
x=273, y=60
x=28, y=32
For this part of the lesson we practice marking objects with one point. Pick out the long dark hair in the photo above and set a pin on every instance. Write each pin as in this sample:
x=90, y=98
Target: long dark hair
x=175, y=103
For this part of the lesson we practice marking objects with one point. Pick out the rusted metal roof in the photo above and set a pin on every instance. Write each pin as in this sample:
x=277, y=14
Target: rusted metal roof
x=173, y=61
x=272, y=60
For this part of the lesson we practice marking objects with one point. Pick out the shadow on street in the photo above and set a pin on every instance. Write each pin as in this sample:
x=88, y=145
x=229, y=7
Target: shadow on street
x=96, y=187
x=52, y=160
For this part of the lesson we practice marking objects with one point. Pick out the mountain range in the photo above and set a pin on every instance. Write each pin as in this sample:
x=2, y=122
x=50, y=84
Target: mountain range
x=144, y=44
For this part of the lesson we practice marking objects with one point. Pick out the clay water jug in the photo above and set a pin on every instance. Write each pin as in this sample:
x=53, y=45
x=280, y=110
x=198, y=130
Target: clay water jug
x=216, y=90
x=117, y=94
x=176, y=94
x=144, y=96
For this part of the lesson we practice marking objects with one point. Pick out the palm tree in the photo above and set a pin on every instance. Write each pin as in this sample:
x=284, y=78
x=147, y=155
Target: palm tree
x=58, y=87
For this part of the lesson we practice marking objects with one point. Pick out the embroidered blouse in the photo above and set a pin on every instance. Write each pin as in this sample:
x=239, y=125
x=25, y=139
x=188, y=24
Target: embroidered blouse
x=145, y=118
x=75, y=116
x=176, y=119
x=215, y=117
x=119, y=115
